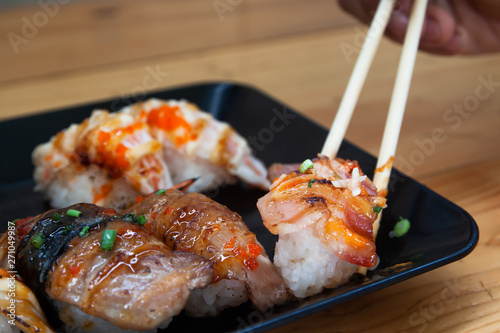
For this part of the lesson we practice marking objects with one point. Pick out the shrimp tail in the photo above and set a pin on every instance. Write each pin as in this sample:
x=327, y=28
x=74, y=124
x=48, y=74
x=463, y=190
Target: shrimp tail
x=184, y=186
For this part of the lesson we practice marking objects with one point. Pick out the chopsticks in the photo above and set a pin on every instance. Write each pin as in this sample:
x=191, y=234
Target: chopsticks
x=398, y=99
x=357, y=79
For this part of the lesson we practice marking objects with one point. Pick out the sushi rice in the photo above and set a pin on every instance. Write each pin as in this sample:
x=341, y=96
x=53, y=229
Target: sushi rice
x=5, y=327
x=216, y=297
x=307, y=265
x=77, y=321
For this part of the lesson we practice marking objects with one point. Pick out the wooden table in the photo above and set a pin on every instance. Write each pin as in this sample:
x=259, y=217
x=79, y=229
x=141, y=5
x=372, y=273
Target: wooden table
x=302, y=53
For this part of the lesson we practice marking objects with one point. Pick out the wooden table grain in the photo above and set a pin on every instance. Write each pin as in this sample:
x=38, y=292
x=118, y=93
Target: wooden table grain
x=61, y=53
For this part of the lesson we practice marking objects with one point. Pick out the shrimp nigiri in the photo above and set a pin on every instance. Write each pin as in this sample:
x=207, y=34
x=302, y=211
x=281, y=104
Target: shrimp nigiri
x=324, y=217
x=195, y=223
x=108, y=159
x=112, y=158
x=197, y=144
x=98, y=271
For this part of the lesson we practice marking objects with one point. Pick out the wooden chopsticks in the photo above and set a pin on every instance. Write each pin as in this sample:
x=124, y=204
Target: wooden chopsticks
x=399, y=94
x=357, y=79
x=398, y=101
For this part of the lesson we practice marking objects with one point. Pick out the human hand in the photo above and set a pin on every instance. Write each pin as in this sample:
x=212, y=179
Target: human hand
x=450, y=27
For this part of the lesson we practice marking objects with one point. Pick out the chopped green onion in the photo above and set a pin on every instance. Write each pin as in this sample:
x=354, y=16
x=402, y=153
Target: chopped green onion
x=56, y=217
x=311, y=182
x=85, y=232
x=307, y=164
x=377, y=209
x=161, y=192
x=401, y=228
x=66, y=230
x=141, y=219
x=73, y=212
x=108, y=239
x=130, y=217
x=37, y=241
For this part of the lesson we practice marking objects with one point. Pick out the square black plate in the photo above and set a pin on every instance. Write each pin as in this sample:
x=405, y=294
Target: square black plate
x=440, y=233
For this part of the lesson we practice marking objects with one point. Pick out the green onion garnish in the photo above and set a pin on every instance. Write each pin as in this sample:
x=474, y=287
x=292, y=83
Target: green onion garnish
x=141, y=219
x=37, y=241
x=311, y=182
x=66, y=230
x=401, y=228
x=108, y=239
x=56, y=217
x=85, y=232
x=161, y=192
x=307, y=164
x=130, y=217
x=73, y=212
x=377, y=209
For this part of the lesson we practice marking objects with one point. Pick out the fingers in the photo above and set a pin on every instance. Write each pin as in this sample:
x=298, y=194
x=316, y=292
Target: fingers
x=440, y=34
x=489, y=8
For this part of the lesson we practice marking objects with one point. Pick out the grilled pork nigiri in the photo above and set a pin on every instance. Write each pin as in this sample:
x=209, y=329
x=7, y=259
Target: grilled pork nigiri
x=192, y=222
x=71, y=260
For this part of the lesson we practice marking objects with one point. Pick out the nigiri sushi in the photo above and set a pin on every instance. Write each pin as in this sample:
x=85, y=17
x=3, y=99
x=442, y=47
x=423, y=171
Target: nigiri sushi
x=19, y=307
x=195, y=223
x=95, y=271
x=324, y=215
x=112, y=158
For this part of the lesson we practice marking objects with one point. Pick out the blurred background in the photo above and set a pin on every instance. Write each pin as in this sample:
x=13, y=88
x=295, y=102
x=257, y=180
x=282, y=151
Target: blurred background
x=57, y=53
x=60, y=53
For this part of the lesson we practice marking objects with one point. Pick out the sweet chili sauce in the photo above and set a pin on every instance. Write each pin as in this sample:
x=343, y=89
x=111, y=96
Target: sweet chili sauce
x=171, y=120
x=114, y=157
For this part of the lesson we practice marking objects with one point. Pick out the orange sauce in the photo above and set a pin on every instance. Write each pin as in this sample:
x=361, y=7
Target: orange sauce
x=387, y=165
x=105, y=189
x=168, y=210
x=248, y=254
x=22, y=228
x=74, y=270
x=254, y=249
x=230, y=244
x=115, y=158
x=171, y=120
x=109, y=211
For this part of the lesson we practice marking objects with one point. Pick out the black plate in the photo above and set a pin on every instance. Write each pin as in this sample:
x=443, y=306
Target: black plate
x=440, y=233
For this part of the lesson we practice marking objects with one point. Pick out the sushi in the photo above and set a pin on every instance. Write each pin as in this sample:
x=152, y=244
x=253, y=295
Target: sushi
x=195, y=223
x=19, y=308
x=93, y=270
x=324, y=214
x=111, y=158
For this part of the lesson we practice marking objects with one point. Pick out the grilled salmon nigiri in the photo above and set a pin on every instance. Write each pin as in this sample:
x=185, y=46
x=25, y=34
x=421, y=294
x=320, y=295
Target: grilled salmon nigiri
x=324, y=215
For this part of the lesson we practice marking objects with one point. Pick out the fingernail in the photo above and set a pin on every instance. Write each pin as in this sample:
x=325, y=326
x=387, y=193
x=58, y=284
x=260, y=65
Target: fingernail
x=398, y=24
x=432, y=31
